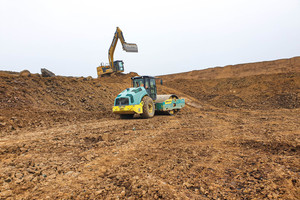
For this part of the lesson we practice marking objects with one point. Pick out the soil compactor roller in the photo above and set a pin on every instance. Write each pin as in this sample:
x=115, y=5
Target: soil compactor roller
x=142, y=99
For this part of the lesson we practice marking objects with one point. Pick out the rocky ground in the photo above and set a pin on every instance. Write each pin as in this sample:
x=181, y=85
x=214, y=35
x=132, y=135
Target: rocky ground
x=237, y=138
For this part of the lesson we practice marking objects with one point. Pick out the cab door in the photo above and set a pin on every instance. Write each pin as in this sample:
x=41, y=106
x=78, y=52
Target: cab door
x=150, y=87
x=118, y=66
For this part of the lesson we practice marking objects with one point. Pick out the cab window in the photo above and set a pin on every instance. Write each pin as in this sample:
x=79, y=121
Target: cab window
x=147, y=83
x=136, y=83
x=152, y=83
x=121, y=68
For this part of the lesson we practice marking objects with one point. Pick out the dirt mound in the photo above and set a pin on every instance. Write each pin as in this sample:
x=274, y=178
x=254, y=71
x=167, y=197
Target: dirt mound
x=11, y=73
x=25, y=73
x=242, y=70
x=271, y=91
x=38, y=101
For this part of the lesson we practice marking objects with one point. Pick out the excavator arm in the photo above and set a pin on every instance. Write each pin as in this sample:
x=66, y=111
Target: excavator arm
x=128, y=47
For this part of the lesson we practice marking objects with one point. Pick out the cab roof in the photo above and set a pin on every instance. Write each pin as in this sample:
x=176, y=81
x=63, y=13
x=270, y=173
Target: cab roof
x=142, y=77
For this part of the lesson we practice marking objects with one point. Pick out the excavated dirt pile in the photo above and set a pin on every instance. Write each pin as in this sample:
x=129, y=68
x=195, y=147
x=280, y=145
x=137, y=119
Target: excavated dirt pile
x=236, y=138
x=272, y=91
x=35, y=101
x=243, y=70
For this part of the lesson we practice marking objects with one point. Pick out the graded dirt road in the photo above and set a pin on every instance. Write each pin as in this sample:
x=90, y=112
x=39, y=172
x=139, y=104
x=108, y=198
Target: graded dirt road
x=208, y=154
x=237, y=138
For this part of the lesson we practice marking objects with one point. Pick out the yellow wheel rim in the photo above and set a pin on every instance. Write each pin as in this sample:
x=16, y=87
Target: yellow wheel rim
x=150, y=108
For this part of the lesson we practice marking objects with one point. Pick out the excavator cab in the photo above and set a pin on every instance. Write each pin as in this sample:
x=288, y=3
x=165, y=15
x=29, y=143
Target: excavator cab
x=118, y=66
x=148, y=82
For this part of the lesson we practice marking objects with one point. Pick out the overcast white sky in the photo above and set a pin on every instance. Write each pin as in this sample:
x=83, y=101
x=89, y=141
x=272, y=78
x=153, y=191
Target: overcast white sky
x=72, y=37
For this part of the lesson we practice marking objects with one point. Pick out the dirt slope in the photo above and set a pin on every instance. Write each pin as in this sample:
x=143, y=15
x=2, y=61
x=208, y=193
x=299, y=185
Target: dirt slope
x=38, y=101
x=272, y=91
x=237, y=138
x=242, y=70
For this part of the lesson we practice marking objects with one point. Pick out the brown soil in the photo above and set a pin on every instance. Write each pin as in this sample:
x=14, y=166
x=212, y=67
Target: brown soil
x=242, y=70
x=37, y=101
x=237, y=138
x=272, y=91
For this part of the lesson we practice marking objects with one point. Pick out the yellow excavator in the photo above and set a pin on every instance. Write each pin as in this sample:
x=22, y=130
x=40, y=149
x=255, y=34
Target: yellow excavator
x=118, y=65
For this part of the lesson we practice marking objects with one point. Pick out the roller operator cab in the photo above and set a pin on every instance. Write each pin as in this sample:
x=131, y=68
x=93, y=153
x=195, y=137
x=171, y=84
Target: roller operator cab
x=142, y=99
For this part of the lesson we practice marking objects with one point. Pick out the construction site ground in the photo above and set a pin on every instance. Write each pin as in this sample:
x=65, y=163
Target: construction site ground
x=237, y=138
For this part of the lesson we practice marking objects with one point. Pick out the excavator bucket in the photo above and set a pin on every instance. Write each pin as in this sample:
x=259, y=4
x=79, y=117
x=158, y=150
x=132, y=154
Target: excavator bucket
x=130, y=47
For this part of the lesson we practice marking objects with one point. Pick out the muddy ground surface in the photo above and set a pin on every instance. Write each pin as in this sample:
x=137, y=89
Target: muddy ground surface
x=59, y=140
